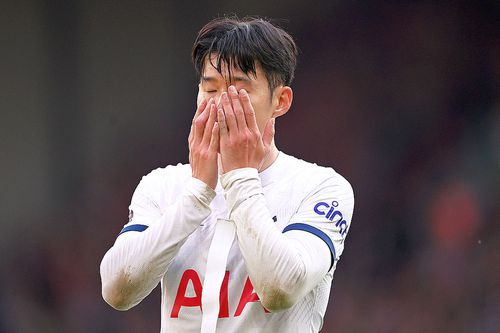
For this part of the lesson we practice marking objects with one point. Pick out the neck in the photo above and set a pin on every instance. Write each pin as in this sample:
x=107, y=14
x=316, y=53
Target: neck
x=270, y=157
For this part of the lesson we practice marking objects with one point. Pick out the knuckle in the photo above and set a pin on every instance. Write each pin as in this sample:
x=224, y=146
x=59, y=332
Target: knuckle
x=199, y=122
x=247, y=136
x=205, y=155
x=240, y=140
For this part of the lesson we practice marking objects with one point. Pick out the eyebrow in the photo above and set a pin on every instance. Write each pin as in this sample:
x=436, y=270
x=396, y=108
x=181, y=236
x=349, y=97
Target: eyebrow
x=235, y=78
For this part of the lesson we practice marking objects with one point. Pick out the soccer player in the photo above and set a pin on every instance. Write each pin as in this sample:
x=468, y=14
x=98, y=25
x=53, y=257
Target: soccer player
x=244, y=238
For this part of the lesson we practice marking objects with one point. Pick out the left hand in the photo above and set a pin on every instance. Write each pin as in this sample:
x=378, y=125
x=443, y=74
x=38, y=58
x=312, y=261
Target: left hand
x=241, y=143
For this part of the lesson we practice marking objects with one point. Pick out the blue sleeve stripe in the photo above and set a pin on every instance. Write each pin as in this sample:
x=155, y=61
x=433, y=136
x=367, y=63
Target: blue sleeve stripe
x=314, y=231
x=133, y=227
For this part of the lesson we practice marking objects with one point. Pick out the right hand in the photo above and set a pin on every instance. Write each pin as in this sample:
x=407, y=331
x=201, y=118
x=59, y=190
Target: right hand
x=203, y=143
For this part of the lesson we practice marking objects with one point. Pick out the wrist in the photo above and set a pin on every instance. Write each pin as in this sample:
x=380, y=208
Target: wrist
x=239, y=185
x=210, y=181
x=228, y=178
x=201, y=190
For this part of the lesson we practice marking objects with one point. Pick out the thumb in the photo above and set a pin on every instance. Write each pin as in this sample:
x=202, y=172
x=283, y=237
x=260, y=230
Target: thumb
x=268, y=135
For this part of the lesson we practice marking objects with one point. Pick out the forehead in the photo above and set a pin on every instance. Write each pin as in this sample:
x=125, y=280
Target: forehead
x=210, y=73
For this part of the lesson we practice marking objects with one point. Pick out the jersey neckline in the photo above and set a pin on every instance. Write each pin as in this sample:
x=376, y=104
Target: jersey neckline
x=271, y=173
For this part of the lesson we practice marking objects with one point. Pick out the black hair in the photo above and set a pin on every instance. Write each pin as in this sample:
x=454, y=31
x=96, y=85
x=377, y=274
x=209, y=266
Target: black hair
x=240, y=43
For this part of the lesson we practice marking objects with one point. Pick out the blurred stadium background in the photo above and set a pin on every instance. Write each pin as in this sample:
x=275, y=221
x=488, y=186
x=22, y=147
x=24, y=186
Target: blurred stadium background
x=401, y=97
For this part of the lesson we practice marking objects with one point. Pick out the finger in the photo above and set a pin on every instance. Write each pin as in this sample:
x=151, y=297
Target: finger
x=204, y=112
x=248, y=111
x=209, y=125
x=237, y=107
x=200, y=122
x=231, y=124
x=221, y=119
x=190, y=137
x=202, y=107
x=214, y=141
x=199, y=109
x=268, y=135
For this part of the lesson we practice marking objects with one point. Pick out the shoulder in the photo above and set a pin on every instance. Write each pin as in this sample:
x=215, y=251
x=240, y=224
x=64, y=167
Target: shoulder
x=170, y=171
x=313, y=177
x=326, y=206
x=164, y=178
x=177, y=172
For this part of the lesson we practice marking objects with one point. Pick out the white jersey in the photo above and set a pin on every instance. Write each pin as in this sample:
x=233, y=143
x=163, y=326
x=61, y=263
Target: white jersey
x=299, y=195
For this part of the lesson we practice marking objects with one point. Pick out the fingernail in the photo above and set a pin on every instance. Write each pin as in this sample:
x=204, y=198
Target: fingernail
x=210, y=100
x=224, y=95
x=243, y=92
x=232, y=90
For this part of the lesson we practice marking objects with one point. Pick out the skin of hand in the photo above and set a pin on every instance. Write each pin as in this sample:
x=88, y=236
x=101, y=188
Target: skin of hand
x=241, y=142
x=204, y=142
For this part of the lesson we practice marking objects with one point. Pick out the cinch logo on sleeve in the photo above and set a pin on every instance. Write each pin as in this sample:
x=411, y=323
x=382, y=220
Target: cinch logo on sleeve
x=324, y=208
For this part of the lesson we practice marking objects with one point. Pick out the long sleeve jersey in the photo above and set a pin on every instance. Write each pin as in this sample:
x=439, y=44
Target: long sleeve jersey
x=291, y=222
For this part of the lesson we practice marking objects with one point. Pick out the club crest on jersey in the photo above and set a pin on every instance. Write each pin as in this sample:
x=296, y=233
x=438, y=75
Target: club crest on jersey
x=330, y=211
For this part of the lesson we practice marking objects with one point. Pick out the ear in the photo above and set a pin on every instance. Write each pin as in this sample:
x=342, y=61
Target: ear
x=283, y=100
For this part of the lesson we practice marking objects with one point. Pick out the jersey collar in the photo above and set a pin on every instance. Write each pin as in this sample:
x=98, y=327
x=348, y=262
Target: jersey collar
x=274, y=171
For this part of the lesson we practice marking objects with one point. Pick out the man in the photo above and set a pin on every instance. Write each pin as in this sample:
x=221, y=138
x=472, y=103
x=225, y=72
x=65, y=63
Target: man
x=244, y=238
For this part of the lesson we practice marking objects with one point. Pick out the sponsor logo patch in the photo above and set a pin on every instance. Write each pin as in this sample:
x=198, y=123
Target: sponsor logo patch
x=331, y=212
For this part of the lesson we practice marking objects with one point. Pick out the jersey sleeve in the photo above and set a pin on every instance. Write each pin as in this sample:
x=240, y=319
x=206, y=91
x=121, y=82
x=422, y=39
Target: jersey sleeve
x=138, y=260
x=282, y=267
x=144, y=207
x=326, y=212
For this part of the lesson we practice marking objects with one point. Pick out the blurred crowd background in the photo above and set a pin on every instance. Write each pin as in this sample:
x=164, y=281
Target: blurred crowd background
x=400, y=97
